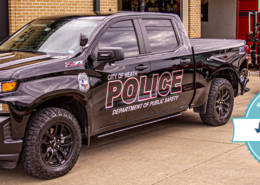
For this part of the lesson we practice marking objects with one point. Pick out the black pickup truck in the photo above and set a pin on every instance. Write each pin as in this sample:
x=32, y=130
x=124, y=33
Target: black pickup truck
x=66, y=78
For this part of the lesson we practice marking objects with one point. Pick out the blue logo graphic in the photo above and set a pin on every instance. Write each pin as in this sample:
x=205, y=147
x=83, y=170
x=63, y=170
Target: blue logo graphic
x=247, y=129
x=258, y=129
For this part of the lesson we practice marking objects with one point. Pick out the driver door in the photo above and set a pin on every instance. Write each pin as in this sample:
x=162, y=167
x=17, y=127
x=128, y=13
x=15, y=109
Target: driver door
x=117, y=99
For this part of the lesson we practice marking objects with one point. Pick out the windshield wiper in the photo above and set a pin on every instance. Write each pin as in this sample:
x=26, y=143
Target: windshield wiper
x=33, y=51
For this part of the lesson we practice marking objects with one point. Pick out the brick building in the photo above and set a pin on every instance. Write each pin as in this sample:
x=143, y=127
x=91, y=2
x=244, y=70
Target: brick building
x=201, y=18
x=15, y=13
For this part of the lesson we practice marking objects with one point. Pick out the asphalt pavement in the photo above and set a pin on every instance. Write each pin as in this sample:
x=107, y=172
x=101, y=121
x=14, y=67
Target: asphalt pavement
x=180, y=150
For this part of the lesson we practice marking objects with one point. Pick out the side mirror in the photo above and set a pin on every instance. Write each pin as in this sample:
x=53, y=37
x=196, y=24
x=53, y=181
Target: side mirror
x=107, y=54
x=110, y=54
x=83, y=39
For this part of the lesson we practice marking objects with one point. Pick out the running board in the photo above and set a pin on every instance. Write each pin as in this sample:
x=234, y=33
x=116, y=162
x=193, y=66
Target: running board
x=137, y=125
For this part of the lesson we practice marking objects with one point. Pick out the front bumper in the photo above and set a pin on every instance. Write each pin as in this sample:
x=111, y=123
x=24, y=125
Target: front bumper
x=9, y=148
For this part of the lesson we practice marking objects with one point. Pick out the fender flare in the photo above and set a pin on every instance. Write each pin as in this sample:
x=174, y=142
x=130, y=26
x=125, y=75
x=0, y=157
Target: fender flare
x=202, y=109
x=233, y=74
x=19, y=125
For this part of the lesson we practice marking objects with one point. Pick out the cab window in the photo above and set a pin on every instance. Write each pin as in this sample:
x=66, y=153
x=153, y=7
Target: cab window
x=161, y=35
x=121, y=34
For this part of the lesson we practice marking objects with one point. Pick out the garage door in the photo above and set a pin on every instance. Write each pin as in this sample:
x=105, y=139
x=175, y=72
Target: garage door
x=244, y=7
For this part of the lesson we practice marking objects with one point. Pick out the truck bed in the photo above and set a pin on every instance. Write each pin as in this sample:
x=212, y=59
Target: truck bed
x=207, y=45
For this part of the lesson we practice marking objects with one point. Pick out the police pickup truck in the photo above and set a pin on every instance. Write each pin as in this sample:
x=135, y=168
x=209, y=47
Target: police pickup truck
x=66, y=78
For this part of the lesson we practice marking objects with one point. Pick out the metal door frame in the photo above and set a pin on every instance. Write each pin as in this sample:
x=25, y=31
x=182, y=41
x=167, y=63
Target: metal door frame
x=4, y=20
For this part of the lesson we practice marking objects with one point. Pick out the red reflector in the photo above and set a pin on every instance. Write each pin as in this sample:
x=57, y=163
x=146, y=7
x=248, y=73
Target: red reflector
x=247, y=48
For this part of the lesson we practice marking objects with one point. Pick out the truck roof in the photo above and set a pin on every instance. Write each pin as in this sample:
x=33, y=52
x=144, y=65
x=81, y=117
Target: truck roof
x=103, y=15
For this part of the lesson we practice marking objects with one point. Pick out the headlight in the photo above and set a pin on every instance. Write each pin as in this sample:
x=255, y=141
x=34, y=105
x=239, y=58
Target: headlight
x=4, y=107
x=8, y=86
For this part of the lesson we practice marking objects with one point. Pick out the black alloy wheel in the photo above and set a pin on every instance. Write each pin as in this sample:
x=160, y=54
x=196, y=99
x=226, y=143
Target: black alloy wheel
x=223, y=102
x=220, y=103
x=57, y=144
x=52, y=143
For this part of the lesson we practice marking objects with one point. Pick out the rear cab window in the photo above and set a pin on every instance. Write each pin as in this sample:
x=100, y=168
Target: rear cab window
x=161, y=34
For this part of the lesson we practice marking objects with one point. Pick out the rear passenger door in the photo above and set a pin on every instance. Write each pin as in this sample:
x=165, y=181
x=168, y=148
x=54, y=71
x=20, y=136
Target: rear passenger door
x=171, y=65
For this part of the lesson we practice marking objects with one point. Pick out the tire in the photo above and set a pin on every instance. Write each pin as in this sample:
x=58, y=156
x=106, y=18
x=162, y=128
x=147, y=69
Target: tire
x=52, y=143
x=220, y=103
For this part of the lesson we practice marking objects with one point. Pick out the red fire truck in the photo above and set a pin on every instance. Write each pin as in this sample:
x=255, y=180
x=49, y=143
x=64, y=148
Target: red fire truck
x=243, y=9
x=248, y=27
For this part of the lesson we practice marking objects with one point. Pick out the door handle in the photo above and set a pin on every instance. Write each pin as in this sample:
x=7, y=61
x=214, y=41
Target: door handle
x=141, y=67
x=185, y=61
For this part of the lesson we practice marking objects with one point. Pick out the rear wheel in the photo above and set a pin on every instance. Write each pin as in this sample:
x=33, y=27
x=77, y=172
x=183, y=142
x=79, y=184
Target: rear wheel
x=220, y=103
x=52, y=143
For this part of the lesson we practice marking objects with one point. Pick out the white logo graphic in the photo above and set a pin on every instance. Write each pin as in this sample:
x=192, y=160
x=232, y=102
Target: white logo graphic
x=83, y=82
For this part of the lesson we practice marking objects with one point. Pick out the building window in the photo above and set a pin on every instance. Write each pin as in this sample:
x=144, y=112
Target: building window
x=167, y=6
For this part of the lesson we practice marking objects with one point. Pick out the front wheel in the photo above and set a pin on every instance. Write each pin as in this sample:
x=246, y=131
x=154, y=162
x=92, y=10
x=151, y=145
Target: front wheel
x=220, y=103
x=52, y=143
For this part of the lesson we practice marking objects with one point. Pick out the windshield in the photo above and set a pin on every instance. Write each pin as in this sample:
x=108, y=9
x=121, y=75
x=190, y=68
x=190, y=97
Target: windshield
x=50, y=36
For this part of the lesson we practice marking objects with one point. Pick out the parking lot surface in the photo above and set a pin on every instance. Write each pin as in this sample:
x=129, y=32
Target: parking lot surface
x=180, y=150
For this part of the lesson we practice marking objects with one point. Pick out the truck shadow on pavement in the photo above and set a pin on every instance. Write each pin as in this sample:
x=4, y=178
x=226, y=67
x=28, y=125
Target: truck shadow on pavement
x=108, y=149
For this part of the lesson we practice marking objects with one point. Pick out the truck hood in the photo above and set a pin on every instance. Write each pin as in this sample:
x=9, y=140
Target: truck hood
x=10, y=61
x=208, y=45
